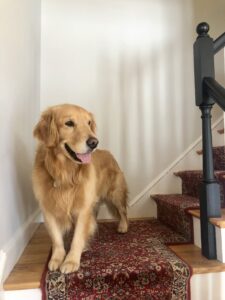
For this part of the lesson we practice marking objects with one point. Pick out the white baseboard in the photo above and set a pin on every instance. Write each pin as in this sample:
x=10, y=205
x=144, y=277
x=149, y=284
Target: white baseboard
x=29, y=294
x=2, y=265
x=16, y=245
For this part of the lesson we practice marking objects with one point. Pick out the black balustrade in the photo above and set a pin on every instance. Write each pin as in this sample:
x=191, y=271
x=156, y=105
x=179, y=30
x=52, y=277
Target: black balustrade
x=208, y=92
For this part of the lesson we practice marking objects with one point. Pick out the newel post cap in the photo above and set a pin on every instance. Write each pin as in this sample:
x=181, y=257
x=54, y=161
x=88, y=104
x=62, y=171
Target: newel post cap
x=202, y=29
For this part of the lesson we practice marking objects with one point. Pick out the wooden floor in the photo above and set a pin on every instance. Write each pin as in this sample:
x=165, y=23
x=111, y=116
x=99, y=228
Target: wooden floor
x=28, y=271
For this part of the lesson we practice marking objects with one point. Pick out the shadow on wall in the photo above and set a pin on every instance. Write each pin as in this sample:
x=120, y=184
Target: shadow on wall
x=23, y=168
x=19, y=202
x=130, y=63
x=147, y=105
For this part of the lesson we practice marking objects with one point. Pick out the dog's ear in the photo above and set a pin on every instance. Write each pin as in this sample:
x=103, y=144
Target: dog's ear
x=46, y=129
x=93, y=124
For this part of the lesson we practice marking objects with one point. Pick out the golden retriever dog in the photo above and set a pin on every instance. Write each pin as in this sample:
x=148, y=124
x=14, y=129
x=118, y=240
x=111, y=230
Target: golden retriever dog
x=70, y=179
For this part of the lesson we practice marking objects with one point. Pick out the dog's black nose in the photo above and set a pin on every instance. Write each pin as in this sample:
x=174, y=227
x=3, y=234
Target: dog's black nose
x=92, y=143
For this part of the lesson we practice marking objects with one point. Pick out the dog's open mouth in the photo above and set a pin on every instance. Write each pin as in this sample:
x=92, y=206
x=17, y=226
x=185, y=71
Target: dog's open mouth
x=84, y=158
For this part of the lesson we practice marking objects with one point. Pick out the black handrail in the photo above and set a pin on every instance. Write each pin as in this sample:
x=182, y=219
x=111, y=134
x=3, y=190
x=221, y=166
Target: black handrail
x=208, y=92
x=215, y=90
x=219, y=43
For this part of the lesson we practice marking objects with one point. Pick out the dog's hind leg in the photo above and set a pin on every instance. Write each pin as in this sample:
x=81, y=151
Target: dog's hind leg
x=123, y=223
x=118, y=197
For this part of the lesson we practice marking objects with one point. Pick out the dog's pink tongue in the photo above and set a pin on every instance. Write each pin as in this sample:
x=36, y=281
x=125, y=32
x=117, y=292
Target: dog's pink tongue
x=85, y=158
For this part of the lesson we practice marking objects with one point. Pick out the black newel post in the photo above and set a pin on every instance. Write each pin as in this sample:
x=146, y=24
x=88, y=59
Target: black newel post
x=210, y=191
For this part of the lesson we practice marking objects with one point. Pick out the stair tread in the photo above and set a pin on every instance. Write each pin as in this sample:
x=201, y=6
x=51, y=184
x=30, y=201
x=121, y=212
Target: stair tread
x=104, y=253
x=214, y=148
x=219, y=147
x=25, y=276
x=28, y=271
x=218, y=157
x=219, y=222
x=191, y=181
x=183, y=201
x=194, y=213
x=193, y=257
x=220, y=131
x=197, y=172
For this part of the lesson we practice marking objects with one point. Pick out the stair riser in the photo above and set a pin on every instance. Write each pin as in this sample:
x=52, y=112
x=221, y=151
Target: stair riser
x=218, y=158
x=172, y=211
x=176, y=219
x=191, y=186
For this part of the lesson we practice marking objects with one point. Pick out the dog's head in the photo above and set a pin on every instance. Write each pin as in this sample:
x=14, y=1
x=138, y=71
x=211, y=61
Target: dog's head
x=70, y=129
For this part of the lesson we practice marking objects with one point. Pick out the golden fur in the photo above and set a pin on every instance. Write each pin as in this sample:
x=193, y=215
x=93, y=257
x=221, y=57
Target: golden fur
x=68, y=190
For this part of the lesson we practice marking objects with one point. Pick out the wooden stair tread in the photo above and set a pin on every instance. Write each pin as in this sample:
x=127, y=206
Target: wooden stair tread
x=194, y=212
x=219, y=222
x=28, y=270
x=191, y=254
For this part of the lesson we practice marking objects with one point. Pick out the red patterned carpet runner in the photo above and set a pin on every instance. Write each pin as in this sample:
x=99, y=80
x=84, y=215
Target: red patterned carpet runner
x=136, y=265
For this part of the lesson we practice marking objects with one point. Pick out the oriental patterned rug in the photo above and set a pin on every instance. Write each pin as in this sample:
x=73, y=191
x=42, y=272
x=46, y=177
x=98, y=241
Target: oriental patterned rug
x=135, y=265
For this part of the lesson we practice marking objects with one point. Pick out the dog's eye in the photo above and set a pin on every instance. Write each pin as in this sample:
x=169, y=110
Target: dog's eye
x=89, y=123
x=69, y=123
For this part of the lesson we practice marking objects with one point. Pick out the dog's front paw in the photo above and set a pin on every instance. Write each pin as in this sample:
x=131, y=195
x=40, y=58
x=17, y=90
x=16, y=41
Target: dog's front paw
x=56, y=259
x=69, y=266
x=54, y=264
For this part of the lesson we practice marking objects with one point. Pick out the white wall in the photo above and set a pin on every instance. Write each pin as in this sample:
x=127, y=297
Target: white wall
x=129, y=62
x=19, y=100
x=212, y=12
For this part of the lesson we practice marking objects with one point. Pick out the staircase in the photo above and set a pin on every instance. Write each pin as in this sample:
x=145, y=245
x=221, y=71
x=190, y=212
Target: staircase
x=174, y=225
x=172, y=209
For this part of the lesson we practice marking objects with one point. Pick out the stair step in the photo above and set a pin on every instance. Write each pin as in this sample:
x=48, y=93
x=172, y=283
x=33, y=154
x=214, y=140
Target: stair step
x=133, y=263
x=218, y=157
x=194, y=213
x=28, y=275
x=219, y=222
x=220, y=131
x=28, y=271
x=172, y=211
x=192, y=179
x=193, y=257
